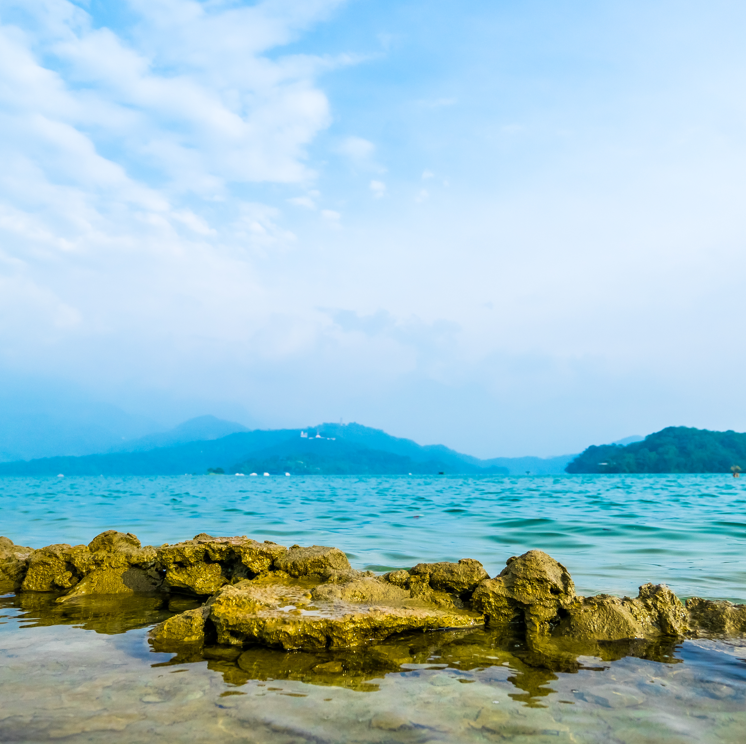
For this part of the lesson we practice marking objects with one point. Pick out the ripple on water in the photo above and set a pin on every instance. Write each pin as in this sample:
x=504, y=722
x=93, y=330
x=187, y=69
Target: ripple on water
x=612, y=532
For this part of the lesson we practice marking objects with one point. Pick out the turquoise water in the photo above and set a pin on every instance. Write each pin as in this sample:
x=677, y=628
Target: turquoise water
x=84, y=672
x=612, y=532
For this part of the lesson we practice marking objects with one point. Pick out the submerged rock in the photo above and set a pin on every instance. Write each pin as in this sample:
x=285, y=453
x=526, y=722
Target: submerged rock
x=13, y=565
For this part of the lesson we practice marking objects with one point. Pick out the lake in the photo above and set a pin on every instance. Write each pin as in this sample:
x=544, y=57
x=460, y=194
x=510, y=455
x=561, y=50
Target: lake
x=87, y=673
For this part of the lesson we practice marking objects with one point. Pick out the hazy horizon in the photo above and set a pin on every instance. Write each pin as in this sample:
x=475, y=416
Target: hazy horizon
x=510, y=228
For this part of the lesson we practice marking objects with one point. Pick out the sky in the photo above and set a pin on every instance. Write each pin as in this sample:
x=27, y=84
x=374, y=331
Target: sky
x=511, y=227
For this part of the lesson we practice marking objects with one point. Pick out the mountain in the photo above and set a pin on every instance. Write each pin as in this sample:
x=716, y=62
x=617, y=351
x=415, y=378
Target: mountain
x=36, y=425
x=356, y=449
x=199, y=429
x=329, y=448
x=676, y=449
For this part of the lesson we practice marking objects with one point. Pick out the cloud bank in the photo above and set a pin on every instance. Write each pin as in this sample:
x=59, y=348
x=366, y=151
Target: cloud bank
x=510, y=231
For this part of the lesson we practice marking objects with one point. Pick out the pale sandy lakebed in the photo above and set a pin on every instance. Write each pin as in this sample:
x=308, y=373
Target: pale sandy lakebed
x=87, y=673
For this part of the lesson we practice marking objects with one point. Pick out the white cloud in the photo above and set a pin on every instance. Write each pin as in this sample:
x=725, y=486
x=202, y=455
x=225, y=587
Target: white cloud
x=331, y=217
x=357, y=149
x=427, y=174
x=378, y=188
x=303, y=201
x=422, y=196
x=125, y=158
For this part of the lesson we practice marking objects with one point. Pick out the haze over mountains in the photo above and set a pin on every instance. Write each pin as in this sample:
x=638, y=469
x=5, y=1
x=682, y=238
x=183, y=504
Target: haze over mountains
x=207, y=442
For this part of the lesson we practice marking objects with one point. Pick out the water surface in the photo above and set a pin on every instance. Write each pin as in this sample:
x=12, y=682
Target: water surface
x=84, y=671
x=612, y=532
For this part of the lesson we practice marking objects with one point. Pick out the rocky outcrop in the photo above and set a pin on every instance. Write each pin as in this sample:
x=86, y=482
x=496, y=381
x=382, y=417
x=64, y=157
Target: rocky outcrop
x=261, y=593
x=112, y=563
x=285, y=614
x=13, y=565
x=532, y=588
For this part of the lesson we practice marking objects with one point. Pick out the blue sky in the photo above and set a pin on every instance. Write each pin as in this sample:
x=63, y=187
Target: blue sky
x=511, y=227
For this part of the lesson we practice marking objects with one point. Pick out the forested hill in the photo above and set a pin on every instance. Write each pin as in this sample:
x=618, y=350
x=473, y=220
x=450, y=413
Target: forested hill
x=676, y=449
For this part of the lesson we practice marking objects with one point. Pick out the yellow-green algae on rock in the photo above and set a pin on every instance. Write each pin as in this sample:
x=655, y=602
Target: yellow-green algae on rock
x=264, y=594
x=13, y=565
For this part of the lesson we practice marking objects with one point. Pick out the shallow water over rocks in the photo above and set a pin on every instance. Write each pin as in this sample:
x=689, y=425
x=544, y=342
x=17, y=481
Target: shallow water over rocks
x=69, y=672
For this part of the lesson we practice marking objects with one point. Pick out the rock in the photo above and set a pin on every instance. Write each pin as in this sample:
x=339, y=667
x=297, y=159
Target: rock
x=113, y=563
x=13, y=565
x=329, y=667
x=112, y=541
x=316, y=560
x=399, y=578
x=311, y=598
x=656, y=611
x=611, y=696
x=221, y=653
x=368, y=590
x=187, y=627
x=532, y=587
x=721, y=618
x=123, y=580
x=56, y=567
x=277, y=615
x=665, y=610
x=204, y=564
x=443, y=584
x=389, y=722
x=459, y=578
x=201, y=578
x=600, y=618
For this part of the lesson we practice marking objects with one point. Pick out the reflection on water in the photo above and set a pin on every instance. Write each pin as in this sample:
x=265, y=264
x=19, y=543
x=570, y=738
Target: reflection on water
x=85, y=671
x=104, y=614
x=533, y=664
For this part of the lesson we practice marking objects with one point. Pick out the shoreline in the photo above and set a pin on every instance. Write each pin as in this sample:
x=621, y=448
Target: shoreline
x=252, y=593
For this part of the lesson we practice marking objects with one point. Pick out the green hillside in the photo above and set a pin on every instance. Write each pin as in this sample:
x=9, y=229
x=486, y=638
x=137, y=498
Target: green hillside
x=676, y=449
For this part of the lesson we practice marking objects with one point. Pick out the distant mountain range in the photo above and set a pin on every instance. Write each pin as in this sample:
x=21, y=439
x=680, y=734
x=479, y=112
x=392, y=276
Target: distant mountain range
x=200, y=429
x=207, y=443
x=676, y=449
